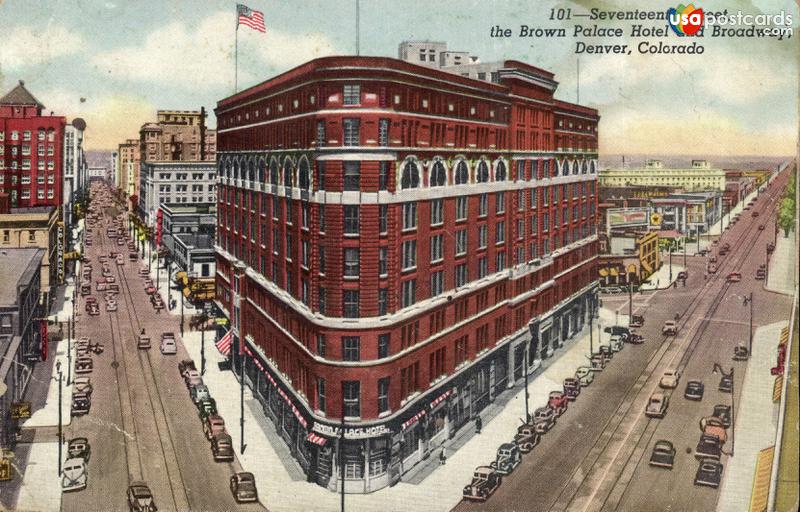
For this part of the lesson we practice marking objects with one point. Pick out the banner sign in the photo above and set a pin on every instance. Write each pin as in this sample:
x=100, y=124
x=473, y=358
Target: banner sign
x=20, y=410
x=60, y=252
x=618, y=217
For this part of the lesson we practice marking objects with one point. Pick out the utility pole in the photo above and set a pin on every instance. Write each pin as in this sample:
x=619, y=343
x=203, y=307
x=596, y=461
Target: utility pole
x=60, y=421
x=203, y=339
x=630, y=303
x=525, y=371
x=670, y=263
x=684, y=252
x=591, y=345
x=749, y=300
x=241, y=393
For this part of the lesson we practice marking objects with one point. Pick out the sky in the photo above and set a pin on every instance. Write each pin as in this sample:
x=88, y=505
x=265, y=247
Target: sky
x=115, y=62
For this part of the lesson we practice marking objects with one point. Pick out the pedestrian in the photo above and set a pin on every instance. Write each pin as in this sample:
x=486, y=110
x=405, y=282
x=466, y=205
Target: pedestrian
x=142, y=331
x=478, y=424
x=658, y=281
x=442, y=457
x=684, y=283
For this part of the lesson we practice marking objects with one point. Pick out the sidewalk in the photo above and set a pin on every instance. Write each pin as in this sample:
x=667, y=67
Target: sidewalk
x=659, y=280
x=282, y=489
x=780, y=277
x=756, y=421
x=159, y=276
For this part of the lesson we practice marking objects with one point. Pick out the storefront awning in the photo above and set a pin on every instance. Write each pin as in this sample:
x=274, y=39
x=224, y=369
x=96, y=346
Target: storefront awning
x=316, y=439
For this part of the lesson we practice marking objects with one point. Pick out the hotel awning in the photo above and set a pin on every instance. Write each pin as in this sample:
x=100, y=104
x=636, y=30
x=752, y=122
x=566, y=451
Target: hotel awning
x=316, y=439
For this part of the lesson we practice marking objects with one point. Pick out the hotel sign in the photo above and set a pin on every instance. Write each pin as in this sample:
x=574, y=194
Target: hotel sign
x=619, y=217
x=352, y=432
x=60, y=252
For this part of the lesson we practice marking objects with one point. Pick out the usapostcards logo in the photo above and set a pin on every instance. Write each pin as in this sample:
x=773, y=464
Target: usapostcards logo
x=685, y=20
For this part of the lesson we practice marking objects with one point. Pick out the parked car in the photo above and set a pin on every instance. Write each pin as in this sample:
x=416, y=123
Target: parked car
x=80, y=404
x=93, y=309
x=663, y=454
x=143, y=342
x=754, y=214
x=485, y=481
x=734, y=277
x=572, y=388
x=213, y=425
x=723, y=412
x=598, y=362
x=543, y=419
x=636, y=339
x=712, y=268
x=670, y=328
x=83, y=365
x=74, y=475
x=585, y=375
x=683, y=275
x=168, y=346
x=761, y=227
x=761, y=274
x=558, y=402
x=111, y=305
x=206, y=407
x=199, y=392
x=670, y=379
x=709, y=473
x=712, y=259
x=726, y=384
x=713, y=426
x=222, y=447
x=243, y=487
x=527, y=437
x=186, y=365
x=694, y=390
x=637, y=321
x=78, y=448
x=508, y=458
x=606, y=352
x=140, y=498
x=616, y=343
x=192, y=378
x=82, y=384
x=657, y=406
x=740, y=353
x=709, y=447
x=618, y=330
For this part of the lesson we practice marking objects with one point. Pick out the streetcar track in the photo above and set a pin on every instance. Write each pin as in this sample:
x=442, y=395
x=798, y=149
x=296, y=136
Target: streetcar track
x=666, y=340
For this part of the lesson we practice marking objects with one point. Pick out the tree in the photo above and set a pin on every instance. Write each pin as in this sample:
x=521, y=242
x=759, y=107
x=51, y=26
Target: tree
x=786, y=213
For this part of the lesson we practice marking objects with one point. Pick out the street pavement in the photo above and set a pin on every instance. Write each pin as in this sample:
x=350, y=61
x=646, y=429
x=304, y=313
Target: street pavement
x=143, y=424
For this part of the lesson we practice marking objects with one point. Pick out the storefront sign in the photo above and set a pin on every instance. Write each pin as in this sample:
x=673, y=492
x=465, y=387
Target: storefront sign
x=20, y=410
x=352, y=432
x=628, y=216
x=60, y=252
x=43, y=336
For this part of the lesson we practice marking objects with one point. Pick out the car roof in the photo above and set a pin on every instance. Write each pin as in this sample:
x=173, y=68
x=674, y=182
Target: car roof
x=663, y=442
x=245, y=475
x=507, y=446
x=77, y=440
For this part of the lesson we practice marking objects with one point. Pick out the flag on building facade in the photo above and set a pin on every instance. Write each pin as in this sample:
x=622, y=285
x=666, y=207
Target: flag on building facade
x=224, y=343
x=250, y=18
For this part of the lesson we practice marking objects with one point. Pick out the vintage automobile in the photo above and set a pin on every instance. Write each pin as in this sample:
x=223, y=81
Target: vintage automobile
x=683, y=275
x=485, y=481
x=740, y=353
x=82, y=384
x=712, y=259
x=670, y=379
x=585, y=375
x=726, y=384
x=636, y=339
x=543, y=419
x=606, y=351
x=143, y=342
x=206, y=407
x=572, y=388
x=670, y=328
x=199, y=392
x=694, y=390
x=557, y=401
x=168, y=346
x=598, y=361
x=657, y=406
x=618, y=330
x=140, y=499
x=80, y=404
x=508, y=458
x=734, y=277
x=711, y=268
x=83, y=365
x=617, y=343
x=74, y=475
x=526, y=437
x=186, y=365
x=637, y=321
x=192, y=378
x=713, y=426
x=709, y=447
x=723, y=412
x=213, y=425
x=709, y=473
x=761, y=274
x=243, y=488
x=754, y=214
x=222, y=448
x=663, y=454
x=79, y=448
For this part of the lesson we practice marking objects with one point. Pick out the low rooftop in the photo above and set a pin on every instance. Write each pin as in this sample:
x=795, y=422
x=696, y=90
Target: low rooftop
x=14, y=265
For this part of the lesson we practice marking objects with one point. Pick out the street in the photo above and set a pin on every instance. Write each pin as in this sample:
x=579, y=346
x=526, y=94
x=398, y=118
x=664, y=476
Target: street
x=596, y=456
x=142, y=424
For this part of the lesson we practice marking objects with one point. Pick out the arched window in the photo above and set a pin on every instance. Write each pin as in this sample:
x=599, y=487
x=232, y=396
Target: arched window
x=288, y=173
x=261, y=165
x=575, y=167
x=500, y=171
x=438, y=176
x=236, y=174
x=482, y=175
x=565, y=168
x=584, y=167
x=223, y=169
x=274, y=177
x=593, y=167
x=305, y=182
x=251, y=170
x=410, y=177
x=462, y=173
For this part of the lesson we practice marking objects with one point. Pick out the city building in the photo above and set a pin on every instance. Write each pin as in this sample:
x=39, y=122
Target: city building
x=38, y=227
x=435, y=54
x=699, y=177
x=633, y=257
x=128, y=161
x=688, y=214
x=176, y=135
x=23, y=337
x=98, y=173
x=185, y=182
x=187, y=232
x=396, y=246
x=31, y=150
x=75, y=171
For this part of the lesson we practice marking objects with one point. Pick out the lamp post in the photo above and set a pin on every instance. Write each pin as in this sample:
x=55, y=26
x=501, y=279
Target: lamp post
x=630, y=302
x=670, y=263
x=341, y=452
x=684, y=251
x=749, y=300
x=241, y=393
x=525, y=371
x=591, y=344
x=70, y=334
x=716, y=368
x=203, y=338
x=60, y=422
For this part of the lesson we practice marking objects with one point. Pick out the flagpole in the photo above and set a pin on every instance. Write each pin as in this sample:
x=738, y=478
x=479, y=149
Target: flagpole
x=236, y=57
x=358, y=28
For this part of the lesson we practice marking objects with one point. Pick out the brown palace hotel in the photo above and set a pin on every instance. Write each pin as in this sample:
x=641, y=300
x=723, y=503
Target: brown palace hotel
x=393, y=240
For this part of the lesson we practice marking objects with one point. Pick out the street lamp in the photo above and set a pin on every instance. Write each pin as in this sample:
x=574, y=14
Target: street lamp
x=749, y=300
x=630, y=301
x=525, y=371
x=714, y=371
x=670, y=263
x=60, y=422
x=341, y=451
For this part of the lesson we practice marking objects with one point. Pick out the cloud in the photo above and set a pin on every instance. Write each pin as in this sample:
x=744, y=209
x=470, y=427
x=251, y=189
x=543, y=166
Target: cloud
x=25, y=46
x=202, y=55
x=739, y=79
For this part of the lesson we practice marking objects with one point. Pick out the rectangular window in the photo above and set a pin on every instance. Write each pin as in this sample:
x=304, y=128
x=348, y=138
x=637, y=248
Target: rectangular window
x=437, y=242
x=352, y=132
x=437, y=283
x=320, y=175
x=409, y=254
x=352, y=398
x=383, y=132
x=483, y=267
x=483, y=205
x=323, y=299
x=351, y=348
x=409, y=216
x=437, y=212
x=483, y=235
x=322, y=255
x=383, y=345
x=351, y=261
x=461, y=208
x=461, y=242
x=500, y=232
x=383, y=395
x=351, y=220
x=383, y=175
x=461, y=349
x=350, y=299
x=383, y=256
x=321, y=394
x=501, y=261
x=383, y=301
x=383, y=218
x=305, y=250
x=462, y=275
x=321, y=345
x=352, y=175
x=520, y=228
x=500, y=202
x=520, y=199
x=409, y=292
x=352, y=94
x=321, y=133
x=520, y=254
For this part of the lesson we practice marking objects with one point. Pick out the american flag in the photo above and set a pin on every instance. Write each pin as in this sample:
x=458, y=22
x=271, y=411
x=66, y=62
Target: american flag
x=224, y=343
x=250, y=18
